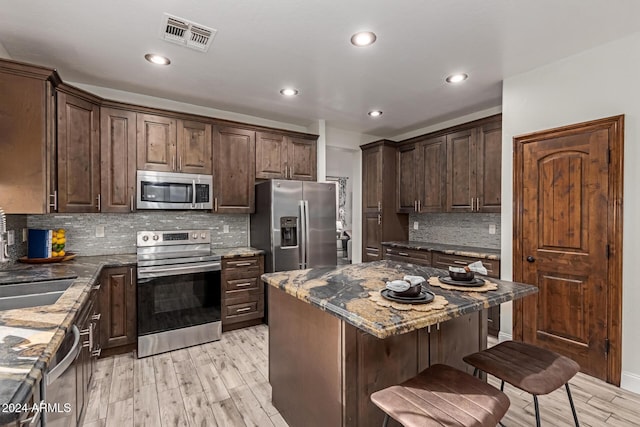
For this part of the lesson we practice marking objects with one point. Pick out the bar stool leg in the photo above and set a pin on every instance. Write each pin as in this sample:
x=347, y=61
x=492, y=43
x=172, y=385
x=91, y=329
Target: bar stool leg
x=535, y=402
x=573, y=408
x=386, y=420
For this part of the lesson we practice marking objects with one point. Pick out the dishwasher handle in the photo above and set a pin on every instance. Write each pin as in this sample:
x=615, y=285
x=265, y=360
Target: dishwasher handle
x=66, y=362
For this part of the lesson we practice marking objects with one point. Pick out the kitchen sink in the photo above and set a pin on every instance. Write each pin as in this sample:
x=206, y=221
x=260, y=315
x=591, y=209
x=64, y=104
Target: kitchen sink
x=32, y=294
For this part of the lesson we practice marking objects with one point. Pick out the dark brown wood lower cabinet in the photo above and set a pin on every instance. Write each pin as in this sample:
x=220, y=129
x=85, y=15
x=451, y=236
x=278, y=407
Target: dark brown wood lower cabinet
x=242, y=292
x=118, y=310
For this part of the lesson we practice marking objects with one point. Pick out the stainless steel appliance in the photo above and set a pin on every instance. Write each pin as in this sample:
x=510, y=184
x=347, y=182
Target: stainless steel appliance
x=60, y=380
x=178, y=290
x=169, y=190
x=295, y=224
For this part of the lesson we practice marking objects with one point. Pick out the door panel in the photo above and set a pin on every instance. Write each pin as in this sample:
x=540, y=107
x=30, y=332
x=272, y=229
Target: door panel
x=489, y=167
x=406, y=191
x=156, y=140
x=321, y=202
x=372, y=237
x=271, y=156
x=372, y=179
x=301, y=155
x=564, y=246
x=234, y=171
x=432, y=156
x=194, y=147
x=461, y=170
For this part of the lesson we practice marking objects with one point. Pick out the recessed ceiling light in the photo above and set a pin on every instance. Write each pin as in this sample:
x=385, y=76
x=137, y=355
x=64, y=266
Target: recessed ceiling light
x=363, y=38
x=375, y=113
x=289, y=92
x=157, y=59
x=457, y=78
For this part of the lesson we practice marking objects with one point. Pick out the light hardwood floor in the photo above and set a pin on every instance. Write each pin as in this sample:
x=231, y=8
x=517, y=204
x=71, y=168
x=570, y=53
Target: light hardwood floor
x=224, y=383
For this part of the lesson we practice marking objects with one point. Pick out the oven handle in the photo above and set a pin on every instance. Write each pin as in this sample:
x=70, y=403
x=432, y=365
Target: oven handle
x=147, y=272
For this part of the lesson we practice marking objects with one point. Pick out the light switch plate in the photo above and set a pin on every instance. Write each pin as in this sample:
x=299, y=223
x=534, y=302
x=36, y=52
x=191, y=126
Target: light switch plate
x=415, y=225
x=225, y=228
x=25, y=234
x=492, y=229
x=99, y=230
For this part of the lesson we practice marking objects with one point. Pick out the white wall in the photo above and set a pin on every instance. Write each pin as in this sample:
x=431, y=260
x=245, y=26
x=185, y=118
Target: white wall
x=3, y=52
x=340, y=163
x=597, y=83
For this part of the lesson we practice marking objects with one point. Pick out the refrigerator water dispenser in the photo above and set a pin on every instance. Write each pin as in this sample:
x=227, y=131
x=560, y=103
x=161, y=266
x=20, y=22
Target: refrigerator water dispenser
x=288, y=231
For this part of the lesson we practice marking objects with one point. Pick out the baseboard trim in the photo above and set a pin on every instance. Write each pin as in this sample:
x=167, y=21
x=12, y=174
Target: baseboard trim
x=630, y=382
x=503, y=336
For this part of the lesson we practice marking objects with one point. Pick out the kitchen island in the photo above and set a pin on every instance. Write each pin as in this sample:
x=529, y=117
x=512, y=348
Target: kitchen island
x=331, y=345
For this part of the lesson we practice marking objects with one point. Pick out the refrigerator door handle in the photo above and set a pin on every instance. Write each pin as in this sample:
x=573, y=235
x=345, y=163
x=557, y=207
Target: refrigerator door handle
x=306, y=234
x=302, y=242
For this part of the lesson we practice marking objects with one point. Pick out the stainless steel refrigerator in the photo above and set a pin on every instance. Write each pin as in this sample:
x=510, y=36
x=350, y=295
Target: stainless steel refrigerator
x=295, y=224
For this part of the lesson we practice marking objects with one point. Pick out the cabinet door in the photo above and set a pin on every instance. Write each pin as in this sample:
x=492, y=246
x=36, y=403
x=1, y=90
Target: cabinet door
x=117, y=159
x=372, y=180
x=301, y=154
x=271, y=156
x=194, y=147
x=489, y=164
x=78, y=154
x=371, y=237
x=234, y=170
x=432, y=158
x=406, y=191
x=118, y=307
x=461, y=171
x=156, y=141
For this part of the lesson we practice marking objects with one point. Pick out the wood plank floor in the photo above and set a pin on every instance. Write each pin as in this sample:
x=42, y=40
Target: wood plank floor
x=224, y=383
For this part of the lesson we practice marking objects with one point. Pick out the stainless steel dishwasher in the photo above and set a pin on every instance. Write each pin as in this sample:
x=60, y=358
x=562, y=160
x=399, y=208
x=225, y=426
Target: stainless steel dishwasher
x=59, y=383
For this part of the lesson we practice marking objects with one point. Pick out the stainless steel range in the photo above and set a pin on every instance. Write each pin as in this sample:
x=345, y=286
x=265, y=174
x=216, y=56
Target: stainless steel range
x=178, y=290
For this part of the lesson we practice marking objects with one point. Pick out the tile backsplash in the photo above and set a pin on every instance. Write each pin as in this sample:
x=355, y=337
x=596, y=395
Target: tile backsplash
x=19, y=248
x=120, y=229
x=465, y=229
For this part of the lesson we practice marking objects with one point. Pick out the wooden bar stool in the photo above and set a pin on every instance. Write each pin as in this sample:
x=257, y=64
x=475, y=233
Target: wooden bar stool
x=442, y=396
x=533, y=369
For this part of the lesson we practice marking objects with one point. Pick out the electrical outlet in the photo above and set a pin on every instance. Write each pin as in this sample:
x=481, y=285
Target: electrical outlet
x=415, y=225
x=25, y=234
x=11, y=237
x=492, y=229
x=225, y=228
x=99, y=230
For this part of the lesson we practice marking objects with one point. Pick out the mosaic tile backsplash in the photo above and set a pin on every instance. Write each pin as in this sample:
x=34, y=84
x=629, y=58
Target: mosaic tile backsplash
x=120, y=229
x=19, y=249
x=465, y=229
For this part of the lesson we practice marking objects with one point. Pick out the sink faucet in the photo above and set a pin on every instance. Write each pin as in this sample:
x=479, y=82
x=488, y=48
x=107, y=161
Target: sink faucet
x=4, y=247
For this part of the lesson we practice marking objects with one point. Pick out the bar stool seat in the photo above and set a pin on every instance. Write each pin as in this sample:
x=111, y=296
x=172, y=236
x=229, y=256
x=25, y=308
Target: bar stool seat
x=530, y=368
x=442, y=396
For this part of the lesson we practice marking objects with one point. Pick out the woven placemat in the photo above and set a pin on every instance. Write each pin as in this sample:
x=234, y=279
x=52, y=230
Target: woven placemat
x=488, y=286
x=438, y=303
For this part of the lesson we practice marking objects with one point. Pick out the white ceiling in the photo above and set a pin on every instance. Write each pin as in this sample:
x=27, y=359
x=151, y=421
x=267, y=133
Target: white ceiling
x=264, y=45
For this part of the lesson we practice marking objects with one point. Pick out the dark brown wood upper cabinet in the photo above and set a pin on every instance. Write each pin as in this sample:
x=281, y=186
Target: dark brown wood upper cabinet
x=118, y=160
x=284, y=157
x=194, y=147
x=461, y=171
x=78, y=153
x=489, y=165
x=407, y=179
x=233, y=170
x=156, y=140
x=372, y=179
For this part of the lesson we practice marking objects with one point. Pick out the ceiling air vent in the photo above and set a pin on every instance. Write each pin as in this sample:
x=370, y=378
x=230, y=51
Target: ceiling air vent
x=186, y=33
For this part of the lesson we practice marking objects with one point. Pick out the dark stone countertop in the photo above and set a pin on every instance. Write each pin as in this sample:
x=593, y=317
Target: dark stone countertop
x=30, y=336
x=344, y=292
x=241, y=252
x=469, y=251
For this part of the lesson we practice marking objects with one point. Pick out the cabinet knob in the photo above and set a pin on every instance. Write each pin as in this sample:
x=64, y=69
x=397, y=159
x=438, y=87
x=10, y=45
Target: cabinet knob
x=530, y=259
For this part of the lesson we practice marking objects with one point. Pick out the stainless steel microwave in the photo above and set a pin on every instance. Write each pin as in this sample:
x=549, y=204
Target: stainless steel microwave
x=169, y=190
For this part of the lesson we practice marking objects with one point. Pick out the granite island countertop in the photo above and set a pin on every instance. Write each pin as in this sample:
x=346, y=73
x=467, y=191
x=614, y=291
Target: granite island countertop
x=240, y=252
x=344, y=292
x=468, y=251
x=30, y=336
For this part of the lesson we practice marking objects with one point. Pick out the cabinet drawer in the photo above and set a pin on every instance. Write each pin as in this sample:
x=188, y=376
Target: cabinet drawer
x=242, y=284
x=244, y=268
x=443, y=261
x=408, y=255
x=236, y=311
x=240, y=263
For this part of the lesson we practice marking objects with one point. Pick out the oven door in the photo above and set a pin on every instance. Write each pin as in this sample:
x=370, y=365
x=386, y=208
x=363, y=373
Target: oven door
x=178, y=301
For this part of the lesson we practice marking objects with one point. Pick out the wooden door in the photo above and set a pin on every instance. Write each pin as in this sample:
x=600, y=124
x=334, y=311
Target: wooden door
x=301, y=154
x=372, y=237
x=431, y=175
x=234, y=170
x=118, y=307
x=406, y=181
x=271, y=156
x=156, y=140
x=193, y=148
x=78, y=154
x=117, y=159
x=568, y=232
x=372, y=180
x=461, y=171
x=489, y=167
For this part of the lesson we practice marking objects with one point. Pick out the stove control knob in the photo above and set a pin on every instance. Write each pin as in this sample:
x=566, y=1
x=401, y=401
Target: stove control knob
x=145, y=238
x=155, y=237
x=195, y=235
x=203, y=235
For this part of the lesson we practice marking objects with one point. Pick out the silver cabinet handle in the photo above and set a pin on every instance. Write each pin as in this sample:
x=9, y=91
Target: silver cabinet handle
x=99, y=204
x=379, y=219
x=173, y=162
x=131, y=203
x=403, y=254
x=180, y=163
x=96, y=287
x=131, y=276
x=241, y=310
x=415, y=206
x=54, y=205
x=472, y=199
x=96, y=316
x=460, y=262
x=419, y=202
x=478, y=204
x=33, y=420
x=215, y=204
x=379, y=206
x=243, y=285
x=96, y=353
x=242, y=264
x=89, y=332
